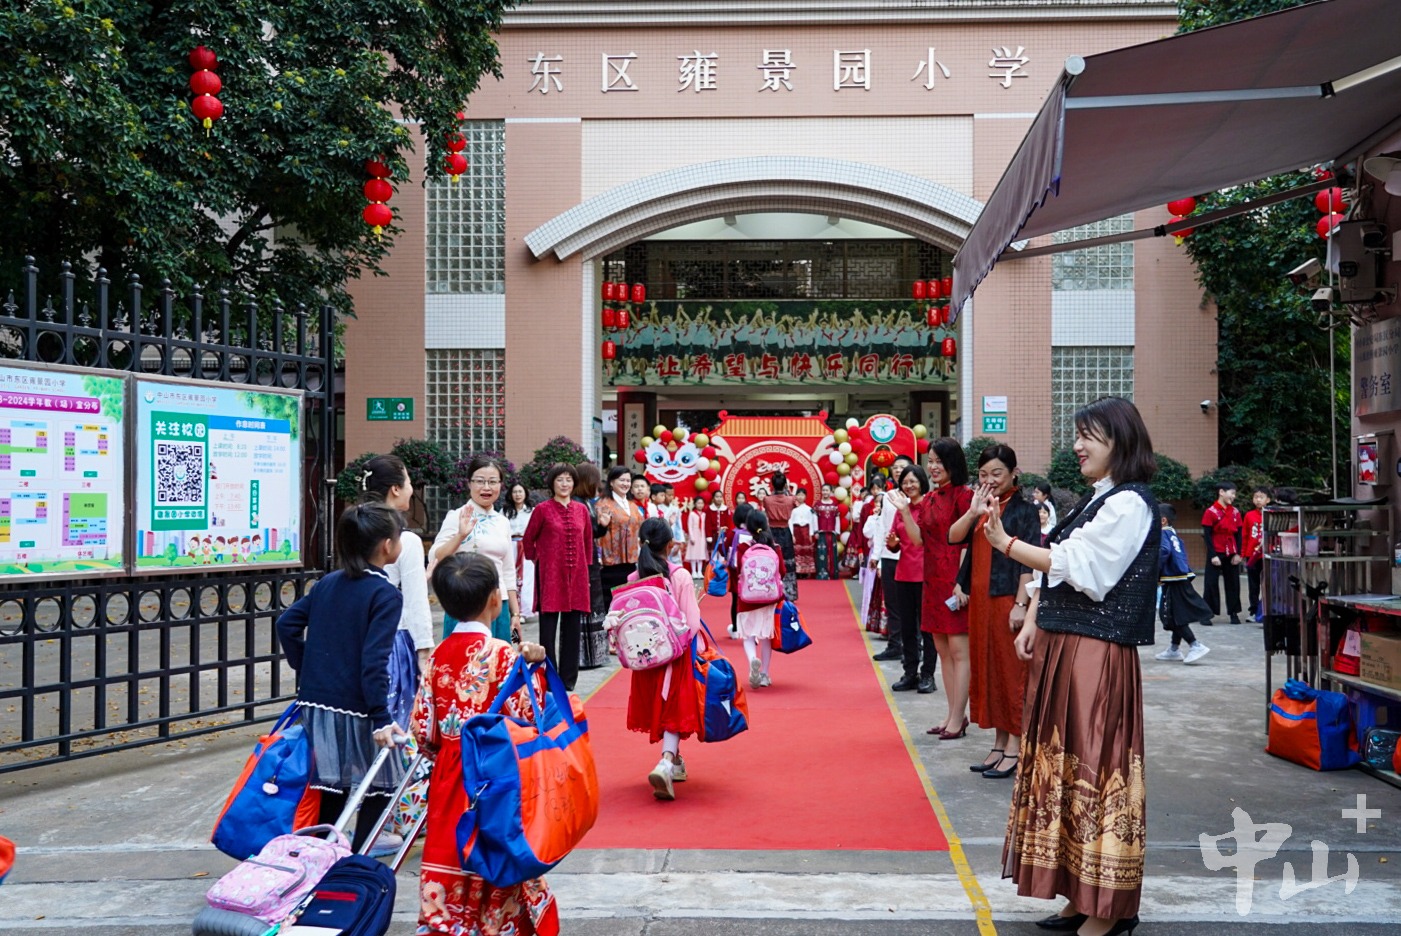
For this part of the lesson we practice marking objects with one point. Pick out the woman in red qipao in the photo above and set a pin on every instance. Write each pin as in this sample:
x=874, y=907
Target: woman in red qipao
x=466, y=670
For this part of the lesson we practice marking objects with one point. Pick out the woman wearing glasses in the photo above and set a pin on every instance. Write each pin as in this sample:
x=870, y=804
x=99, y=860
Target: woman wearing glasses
x=478, y=527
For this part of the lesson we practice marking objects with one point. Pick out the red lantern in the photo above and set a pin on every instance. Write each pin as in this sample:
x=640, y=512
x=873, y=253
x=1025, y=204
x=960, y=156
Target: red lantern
x=455, y=142
x=455, y=165
x=610, y=350
x=202, y=59
x=639, y=456
x=883, y=458
x=377, y=169
x=208, y=109
x=1179, y=236
x=377, y=216
x=621, y=291
x=948, y=285
x=1327, y=223
x=1182, y=206
x=378, y=190
x=933, y=317
x=920, y=289
x=610, y=318
x=639, y=292
x=609, y=294
x=949, y=348
x=624, y=320
x=205, y=82
x=936, y=289
x=1329, y=201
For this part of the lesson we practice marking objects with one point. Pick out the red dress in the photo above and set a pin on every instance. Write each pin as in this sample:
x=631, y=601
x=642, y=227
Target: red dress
x=461, y=682
x=559, y=540
x=939, y=509
x=648, y=712
x=997, y=678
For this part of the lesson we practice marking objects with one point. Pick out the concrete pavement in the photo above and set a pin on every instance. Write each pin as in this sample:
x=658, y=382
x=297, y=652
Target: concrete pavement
x=118, y=844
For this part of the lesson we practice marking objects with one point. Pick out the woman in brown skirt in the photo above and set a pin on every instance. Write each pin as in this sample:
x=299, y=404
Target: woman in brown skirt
x=1078, y=818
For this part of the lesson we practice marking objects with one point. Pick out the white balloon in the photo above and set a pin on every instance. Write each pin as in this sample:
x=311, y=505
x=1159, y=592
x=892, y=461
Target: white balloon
x=836, y=458
x=844, y=448
x=846, y=536
x=840, y=494
x=853, y=422
x=845, y=481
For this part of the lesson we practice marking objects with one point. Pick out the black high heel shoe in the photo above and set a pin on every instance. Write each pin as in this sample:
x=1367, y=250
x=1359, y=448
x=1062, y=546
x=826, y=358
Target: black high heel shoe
x=979, y=768
x=1123, y=927
x=1064, y=924
x=1003, y=774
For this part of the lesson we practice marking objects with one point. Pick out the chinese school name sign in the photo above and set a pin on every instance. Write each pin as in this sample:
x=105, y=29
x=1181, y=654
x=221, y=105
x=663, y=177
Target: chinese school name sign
x=62, y=472
x=218, y=476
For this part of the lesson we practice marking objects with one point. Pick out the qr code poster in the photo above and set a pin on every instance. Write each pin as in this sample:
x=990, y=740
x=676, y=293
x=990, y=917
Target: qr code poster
x=218, y=477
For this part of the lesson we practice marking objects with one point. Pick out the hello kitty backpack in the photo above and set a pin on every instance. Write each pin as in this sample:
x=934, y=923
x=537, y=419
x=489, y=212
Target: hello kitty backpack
x=646, y=625
x=759, y=581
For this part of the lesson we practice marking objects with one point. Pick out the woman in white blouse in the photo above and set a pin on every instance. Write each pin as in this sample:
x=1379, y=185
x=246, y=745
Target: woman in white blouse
x=1082, y=751
x=478, y=527
x=385, y=478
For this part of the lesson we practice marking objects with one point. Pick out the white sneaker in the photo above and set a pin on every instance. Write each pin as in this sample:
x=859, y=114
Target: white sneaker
x=1196, y=652
x=678, y=770
x=733, y=632
x=764, y=680
x=1171, y=654
x=388, y=843
x=755, y=676
x=661, y=778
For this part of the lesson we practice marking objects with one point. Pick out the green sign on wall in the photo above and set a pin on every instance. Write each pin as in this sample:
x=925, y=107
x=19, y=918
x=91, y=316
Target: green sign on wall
x=396, y=409
x=994, y=424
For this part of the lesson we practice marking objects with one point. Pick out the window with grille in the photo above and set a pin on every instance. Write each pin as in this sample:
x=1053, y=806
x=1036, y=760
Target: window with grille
x=465, y=405
x=1109, y=266
x=466, y=220
x=1080, y=375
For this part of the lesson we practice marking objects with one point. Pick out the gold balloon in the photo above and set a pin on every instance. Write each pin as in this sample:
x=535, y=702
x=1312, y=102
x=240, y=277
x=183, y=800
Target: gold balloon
x=920, y=431
x=840, y=436
x=702, y=484
x=852, y=458
x=715, y=464
x=647, y=441
x=843, y=469
x=658, y=429
x=700, y=439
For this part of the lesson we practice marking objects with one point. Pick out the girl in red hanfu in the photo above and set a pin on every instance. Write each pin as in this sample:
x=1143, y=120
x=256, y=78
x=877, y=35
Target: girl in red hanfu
x=463, y=676
x=828, y=519
x=662, y=702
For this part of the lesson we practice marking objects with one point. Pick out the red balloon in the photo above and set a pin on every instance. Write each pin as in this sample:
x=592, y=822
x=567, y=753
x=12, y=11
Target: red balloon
x=949, y=347
x=455, y=164
x=639, y=456
x=205, y=82
x=455, y=142
x=378, y=190
x=1329, y=201
x=708, y=453
x=665, y=436
x=203, y=59
x=1325, y=224
x=1182, y=206
x=639, y=292
x=610, y=350
x=610, y=318
x=920, y=289
x=377, y=215
x=207, y=107
x=624, y=320
x=377, y=169
x=830, y=476
x=710, y=474
x=936, y=289
x=922, y=445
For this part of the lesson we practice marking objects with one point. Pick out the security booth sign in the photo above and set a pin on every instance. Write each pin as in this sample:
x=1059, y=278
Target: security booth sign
x=1376, y=365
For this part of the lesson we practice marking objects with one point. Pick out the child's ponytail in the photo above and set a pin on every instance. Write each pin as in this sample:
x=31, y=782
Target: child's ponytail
x=758, y=526
x=655, y=537
x=360, y=531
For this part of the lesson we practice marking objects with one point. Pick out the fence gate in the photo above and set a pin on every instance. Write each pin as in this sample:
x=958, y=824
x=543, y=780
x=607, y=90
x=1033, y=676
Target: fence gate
x=99, y=665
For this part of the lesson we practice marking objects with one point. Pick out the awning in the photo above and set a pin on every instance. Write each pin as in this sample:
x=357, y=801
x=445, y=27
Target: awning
x=1138, y=127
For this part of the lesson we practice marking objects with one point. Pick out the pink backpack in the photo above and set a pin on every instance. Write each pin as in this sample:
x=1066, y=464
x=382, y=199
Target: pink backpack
x=646, y=625
x=271, y=883
x=759, y=581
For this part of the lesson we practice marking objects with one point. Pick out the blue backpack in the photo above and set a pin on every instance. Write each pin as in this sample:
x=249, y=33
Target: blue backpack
x=723, y=710
x=354, y=898
x=788, y=633
x=719, y=584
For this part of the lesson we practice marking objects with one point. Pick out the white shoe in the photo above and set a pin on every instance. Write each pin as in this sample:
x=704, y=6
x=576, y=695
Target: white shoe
x=1171, y=654
x=764, y=680
x=733, y=632
x=661, y=778
x=678, y=770
x=387, y=844
x=1196, y=652
x=755, y=676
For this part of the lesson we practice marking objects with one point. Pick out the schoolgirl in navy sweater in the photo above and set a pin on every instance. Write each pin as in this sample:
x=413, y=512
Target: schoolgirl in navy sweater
x=338, y=638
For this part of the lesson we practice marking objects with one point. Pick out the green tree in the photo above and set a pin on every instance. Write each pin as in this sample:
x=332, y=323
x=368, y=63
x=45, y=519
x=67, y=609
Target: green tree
x=560, y=449
x=105, y=160
x=1173, y=480
x=1065, y=473
x=1276, y=397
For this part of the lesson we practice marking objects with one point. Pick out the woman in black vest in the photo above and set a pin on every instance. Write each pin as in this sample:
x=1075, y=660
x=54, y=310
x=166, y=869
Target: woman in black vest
x=1077, y=827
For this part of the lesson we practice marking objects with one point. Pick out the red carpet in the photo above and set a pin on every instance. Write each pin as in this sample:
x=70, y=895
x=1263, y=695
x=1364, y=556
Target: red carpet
x=823, y=765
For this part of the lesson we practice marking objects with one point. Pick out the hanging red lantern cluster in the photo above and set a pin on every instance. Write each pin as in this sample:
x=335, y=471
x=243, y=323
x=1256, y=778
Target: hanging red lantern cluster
x=455, y=164
x=620, y=318
x=1331, y=205
x=936, y=289
x=204, y=84
x=1179, y=209
x=937, y=316
x=377, y=189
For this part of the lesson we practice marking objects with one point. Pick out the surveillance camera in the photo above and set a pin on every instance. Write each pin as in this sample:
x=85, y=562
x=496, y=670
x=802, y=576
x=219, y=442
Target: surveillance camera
x=1206, y=406
x=1306, y=274
x=1322, y=300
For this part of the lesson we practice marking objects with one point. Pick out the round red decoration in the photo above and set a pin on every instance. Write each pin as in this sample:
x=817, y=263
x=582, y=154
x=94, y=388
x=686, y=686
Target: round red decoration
x=1182, y=206
x=1329, y=201
x=610, y=350
x=624, y=320
x=455, y=142
x=455, y=165
x=922, y=445
x=1179, y=236
x=665, y=436
x=208, y=109
x=377, y=216
x=831, y=477
x=949, y=348
x=461, y=116
x=205, y=82
x=610, y=318
x=621, y=290
x=936, y=289
x=639, y=456
x=378, y=190
x=1325, y=224
x=203, y=59
x=708, y=452
x=639, y=292
x=920, y=289
x=932, y=316
x=377, y=169
x=609, y=293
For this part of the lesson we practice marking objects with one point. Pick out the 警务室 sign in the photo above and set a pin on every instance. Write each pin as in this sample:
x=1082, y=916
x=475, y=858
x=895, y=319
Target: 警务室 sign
x=391, y=409
x=218, y=476
x=1376, y=365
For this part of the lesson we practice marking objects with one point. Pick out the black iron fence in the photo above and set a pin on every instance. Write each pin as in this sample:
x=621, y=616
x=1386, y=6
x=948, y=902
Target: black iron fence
x=88, y=666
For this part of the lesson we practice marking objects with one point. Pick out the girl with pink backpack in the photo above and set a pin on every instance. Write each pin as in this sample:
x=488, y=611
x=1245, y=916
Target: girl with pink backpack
x=759, y=590
x=662, y=702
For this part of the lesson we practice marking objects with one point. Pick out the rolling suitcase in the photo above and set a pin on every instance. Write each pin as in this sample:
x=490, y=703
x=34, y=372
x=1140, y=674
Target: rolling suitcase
x=355, y=895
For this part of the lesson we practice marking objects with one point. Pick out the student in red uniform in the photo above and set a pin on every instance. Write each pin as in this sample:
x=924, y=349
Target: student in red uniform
x=1252, y=547
x=1221, y=529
